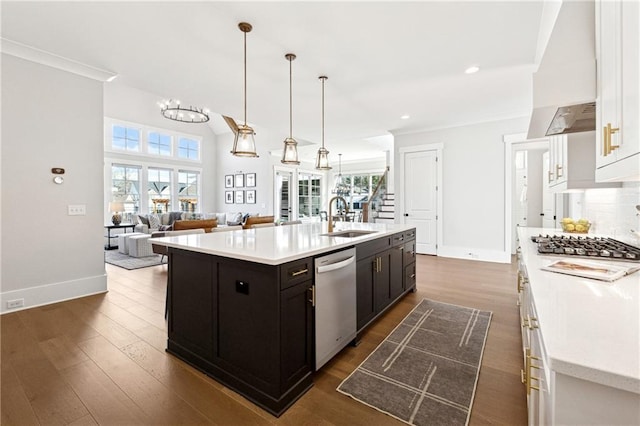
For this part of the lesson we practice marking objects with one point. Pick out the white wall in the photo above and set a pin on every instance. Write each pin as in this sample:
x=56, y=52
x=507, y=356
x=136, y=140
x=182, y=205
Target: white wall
x=473, y=185
x=50, y=118
x=125, y=103
x=610, y=210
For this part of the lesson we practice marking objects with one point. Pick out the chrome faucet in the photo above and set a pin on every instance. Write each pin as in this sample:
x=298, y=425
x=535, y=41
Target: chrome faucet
x=346, y=210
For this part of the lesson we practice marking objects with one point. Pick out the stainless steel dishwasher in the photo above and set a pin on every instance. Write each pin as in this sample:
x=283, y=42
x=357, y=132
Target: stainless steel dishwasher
x=335, y=303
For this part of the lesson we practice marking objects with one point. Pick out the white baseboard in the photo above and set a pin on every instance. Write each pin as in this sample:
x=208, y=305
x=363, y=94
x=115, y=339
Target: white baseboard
x=475, y=254
x=53, y=293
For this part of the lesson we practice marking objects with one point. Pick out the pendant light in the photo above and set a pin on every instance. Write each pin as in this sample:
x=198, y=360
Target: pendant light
x=290, y=153
x=244, y=145
x=322, y=161
x=341, y=188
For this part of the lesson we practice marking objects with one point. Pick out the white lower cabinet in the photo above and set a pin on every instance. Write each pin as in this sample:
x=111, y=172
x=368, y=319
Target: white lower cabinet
x=560, y=399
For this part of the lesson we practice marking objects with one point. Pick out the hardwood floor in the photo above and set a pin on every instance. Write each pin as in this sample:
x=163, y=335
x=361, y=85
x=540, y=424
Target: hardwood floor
x=101, y=359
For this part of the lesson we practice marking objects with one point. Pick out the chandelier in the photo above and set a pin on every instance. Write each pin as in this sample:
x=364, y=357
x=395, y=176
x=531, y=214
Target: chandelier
x=341, y=188
x=173, y=111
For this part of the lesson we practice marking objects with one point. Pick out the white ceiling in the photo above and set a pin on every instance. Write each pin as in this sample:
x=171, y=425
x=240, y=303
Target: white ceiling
x=383, y=59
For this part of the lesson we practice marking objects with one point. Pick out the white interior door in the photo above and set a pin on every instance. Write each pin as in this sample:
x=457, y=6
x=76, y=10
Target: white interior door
x=420, y=197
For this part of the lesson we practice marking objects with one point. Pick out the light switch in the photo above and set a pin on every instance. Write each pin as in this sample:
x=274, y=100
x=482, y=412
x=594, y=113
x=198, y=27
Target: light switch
x=77, y=210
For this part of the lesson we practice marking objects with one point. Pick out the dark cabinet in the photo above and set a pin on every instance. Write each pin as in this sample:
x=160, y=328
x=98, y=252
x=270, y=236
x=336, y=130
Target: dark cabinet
x=297, y=344
x=366, y=269
x=380, y=275
x=246, y=324
x=192, y=300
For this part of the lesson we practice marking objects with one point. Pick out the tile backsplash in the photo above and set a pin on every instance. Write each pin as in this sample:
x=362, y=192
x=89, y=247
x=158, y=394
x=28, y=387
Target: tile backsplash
x=612, y=211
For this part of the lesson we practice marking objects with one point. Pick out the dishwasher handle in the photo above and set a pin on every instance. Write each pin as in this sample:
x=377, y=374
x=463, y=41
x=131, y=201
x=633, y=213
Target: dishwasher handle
x=334, y=266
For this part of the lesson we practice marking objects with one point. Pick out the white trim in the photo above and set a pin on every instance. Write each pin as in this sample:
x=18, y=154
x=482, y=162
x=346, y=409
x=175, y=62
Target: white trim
x=482, y=255
x=399, y=195
x=519, y=139
x=54, y=292
x=43, y=57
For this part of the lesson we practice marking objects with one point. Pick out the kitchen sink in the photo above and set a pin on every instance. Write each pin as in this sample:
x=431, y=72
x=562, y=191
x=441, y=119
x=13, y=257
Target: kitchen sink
x=348, y=233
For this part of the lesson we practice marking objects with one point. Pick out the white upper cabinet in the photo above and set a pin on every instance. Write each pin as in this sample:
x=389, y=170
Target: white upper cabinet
x=618, y=90
x=572, y=162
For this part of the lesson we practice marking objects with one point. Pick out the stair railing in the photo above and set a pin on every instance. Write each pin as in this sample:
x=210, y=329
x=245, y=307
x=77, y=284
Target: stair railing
x=371, y=208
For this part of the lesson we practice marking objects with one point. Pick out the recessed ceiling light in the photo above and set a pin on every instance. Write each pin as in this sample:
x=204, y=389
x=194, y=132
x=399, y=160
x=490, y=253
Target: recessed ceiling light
x=472, y=69
x=405, y=117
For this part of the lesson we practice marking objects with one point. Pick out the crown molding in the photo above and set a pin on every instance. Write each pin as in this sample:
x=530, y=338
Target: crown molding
x=39, y=56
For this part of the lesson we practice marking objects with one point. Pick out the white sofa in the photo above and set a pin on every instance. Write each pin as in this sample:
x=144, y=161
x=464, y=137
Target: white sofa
x=162, y=222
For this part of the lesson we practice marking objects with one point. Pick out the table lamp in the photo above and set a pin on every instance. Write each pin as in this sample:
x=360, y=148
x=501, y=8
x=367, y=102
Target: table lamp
x=116, y=207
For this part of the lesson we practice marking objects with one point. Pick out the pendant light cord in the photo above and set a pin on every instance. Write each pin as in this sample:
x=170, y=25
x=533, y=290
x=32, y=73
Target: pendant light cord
x=323, y=79
x=245, y=79
x=290, y=101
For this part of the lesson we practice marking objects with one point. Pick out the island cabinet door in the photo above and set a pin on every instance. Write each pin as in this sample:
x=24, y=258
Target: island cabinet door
x=247, y=323
x=396, y=272
x=296, y=325
x=192, y=300
x=382, y=281
x=366, y=270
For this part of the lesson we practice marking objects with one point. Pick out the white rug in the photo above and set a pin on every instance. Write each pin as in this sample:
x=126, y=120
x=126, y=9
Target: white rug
x=114, y=257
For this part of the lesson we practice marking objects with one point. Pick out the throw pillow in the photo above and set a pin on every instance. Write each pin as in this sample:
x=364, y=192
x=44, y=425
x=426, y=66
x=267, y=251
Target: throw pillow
x=234, y=219
x=221, y=217
x=154, y=221
x=143, y=219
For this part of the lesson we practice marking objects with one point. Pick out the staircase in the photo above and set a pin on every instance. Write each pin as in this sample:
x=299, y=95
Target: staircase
x=386, y=212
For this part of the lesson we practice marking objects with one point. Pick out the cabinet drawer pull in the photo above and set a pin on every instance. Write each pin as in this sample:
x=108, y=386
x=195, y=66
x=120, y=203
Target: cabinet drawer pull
x=302, y=271
x=559, y=172
x=400, y=248
x=412, y=276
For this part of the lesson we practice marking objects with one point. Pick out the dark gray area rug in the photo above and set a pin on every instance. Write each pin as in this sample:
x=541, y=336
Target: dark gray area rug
x=127, y=262
x=425, y=372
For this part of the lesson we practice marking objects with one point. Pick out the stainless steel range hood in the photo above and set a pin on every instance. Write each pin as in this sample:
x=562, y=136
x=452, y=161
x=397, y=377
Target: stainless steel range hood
x=564, y=87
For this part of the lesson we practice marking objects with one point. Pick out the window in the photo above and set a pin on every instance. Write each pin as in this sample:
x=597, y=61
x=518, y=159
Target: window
x=360, y=188
x=188, y=190
x=188, y=148
x=309, y=200
x=159, y=189
x=159, y=144
x=125, y=186
x=125, y=138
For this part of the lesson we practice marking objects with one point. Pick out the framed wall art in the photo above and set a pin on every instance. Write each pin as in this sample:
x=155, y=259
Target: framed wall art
x=251, y=180
x=228, y=197
x=251, y=196
x=239, y=196
x=239, y=180
x=228, y=181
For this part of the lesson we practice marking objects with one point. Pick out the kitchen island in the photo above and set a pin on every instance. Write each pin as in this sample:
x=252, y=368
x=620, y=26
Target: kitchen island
x=581, y=341
x=241, y=303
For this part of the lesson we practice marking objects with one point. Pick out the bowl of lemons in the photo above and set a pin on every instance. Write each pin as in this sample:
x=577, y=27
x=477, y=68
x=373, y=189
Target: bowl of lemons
x=580, y=226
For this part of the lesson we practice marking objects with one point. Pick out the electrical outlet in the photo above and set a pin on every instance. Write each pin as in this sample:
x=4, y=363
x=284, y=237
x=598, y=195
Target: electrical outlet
x=77, y=210
x=17, y=303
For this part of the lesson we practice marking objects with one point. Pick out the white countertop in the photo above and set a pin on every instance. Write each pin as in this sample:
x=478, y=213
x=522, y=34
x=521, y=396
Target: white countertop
x=279, y=244
x=590, y=328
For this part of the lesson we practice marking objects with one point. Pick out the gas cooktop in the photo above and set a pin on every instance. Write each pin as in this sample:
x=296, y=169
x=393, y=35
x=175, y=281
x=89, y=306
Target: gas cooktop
x=587, y=247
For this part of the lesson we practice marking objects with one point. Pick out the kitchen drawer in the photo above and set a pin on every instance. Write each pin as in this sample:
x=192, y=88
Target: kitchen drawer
x=410, y=235
x=296, y=272
x=370, y=248
x=397, y=239
x=409, y=276
x=409, y=252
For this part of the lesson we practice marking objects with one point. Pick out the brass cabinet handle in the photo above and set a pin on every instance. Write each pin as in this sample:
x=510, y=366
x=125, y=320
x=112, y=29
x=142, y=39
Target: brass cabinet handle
x=550, y=176
x=412, y=276
x=313, y=295
x=559, y=170
x=400, y=248
x=303, y=271
x=527, y=373
x=532, y=326
x=607, y=131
